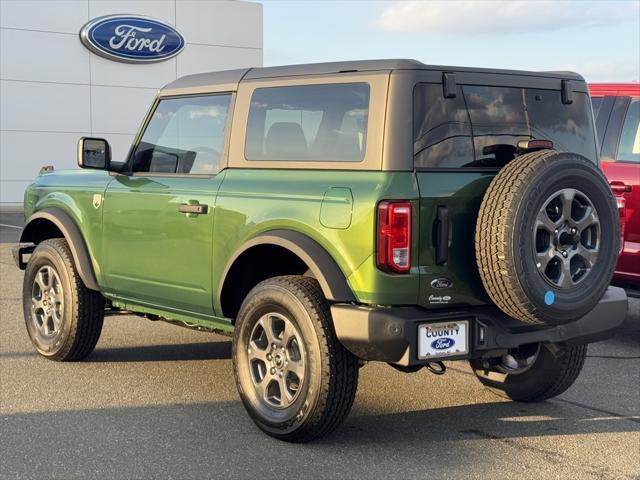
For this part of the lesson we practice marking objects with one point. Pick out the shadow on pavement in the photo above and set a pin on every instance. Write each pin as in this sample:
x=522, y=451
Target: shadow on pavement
x=151, y=353
x=183, y=440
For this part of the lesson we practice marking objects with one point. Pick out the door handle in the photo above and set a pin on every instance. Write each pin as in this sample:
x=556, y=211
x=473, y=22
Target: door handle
x=620, y=187
x=193, y=208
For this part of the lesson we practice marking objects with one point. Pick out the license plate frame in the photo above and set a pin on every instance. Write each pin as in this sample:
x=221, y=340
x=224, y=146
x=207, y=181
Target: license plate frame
x=460, y=339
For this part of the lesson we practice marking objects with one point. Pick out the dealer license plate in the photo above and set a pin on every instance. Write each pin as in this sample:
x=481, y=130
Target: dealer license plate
x=446, y=339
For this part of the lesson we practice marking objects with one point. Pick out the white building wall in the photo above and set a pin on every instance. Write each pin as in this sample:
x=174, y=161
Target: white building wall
x=53, y=90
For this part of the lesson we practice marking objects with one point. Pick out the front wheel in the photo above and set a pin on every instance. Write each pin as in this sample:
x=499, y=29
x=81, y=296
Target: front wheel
x=531, y=373
x=63, y=317
x=295, y=379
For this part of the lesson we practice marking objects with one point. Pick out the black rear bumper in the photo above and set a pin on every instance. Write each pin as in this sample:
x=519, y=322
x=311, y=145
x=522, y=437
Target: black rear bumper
x=391, y=334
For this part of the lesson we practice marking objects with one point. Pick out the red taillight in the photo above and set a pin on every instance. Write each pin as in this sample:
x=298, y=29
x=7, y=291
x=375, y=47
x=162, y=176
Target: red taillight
x=394, y=236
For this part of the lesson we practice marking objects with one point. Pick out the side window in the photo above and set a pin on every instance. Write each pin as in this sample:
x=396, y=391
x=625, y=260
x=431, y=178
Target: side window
x=184, y=135
x=441, y=129
x=596, y=103
x=629, y=147
x=308, y=123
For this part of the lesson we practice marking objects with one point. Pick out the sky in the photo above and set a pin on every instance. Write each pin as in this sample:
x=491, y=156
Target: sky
x=598, y=38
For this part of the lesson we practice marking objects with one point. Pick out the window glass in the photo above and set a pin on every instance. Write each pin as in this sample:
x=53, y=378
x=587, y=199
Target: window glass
x=184, y=135
x=482, y=125
x=502, y=116
x=308, y=123
x=441, y=128
x=629, y=148
x=596, y=103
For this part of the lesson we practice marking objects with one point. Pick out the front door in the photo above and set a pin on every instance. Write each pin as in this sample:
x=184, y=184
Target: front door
x=158, y=215
x=621, y=165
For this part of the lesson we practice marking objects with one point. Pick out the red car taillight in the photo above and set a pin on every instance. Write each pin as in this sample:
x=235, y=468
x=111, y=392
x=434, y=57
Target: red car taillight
x=394, y=236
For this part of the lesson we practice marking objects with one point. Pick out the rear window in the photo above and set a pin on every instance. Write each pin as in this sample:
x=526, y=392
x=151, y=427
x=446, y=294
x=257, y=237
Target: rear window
x=308, y=123
x=482, y=125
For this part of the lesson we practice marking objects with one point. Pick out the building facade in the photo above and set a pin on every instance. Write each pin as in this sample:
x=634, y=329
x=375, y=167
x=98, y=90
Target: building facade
x=53, y=89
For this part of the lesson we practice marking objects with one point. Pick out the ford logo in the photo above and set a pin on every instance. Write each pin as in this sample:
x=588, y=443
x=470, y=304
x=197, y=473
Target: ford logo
x=441, y=283
x=132, y=39
x=443, y=343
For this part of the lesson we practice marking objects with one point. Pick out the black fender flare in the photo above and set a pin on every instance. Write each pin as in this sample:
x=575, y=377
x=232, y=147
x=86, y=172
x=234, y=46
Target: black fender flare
x=72, y=235
x=324, y=268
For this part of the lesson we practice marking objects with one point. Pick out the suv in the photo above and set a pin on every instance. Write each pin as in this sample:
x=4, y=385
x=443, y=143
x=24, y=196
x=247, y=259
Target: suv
x=616, y=108
x=331, y=214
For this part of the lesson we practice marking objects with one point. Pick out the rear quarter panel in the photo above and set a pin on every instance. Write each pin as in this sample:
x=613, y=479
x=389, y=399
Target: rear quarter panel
x=252, y=201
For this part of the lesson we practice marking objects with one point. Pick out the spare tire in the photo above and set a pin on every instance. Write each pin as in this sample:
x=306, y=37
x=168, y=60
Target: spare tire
x=547, y=237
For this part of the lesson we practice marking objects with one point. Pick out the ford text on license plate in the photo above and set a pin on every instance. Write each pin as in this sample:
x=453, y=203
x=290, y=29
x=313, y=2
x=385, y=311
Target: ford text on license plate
x=445, y=339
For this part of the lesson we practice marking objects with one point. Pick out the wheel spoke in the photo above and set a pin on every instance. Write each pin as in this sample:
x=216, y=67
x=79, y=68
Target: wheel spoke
x=285, y=398
x=41, y=281
x=565, y=280
x=36, y=303
x=288, y=333
x=39, y=320
x=567, y=196
x=589, y=256
x=543, y=220
x=297, y=368
x=257, y=353
x=543, y=259
x=266, y=324
x=261, y=388
x=590, y=218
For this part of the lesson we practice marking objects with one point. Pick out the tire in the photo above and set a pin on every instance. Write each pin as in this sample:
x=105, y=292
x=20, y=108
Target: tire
x=537, y=265
x=318, y=400
x=553, y=371
x=63, y=317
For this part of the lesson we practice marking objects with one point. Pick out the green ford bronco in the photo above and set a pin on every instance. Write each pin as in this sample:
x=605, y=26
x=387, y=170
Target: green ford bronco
x=332, y=214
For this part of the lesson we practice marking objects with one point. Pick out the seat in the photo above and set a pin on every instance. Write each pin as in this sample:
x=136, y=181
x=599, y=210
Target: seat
x=285, y=141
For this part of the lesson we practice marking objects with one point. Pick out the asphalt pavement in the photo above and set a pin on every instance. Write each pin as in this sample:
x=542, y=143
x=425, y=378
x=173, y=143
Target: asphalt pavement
x=10, y=224
x=159, y=401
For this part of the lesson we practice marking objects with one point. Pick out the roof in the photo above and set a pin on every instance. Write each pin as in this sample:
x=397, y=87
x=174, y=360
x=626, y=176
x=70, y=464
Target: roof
x=231, y=78
x=615, y=89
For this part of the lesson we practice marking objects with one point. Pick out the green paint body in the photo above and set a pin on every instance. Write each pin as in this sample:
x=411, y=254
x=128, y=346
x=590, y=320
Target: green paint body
x=150, y=258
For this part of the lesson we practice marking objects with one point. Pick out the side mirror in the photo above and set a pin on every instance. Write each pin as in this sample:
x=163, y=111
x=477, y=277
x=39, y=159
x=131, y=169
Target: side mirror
x=94, y=153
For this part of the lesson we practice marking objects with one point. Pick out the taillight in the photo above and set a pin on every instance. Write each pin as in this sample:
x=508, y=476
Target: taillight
x=394, y=236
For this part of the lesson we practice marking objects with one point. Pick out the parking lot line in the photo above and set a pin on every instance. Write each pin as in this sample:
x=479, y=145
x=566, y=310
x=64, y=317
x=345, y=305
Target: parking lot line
x=10, y=226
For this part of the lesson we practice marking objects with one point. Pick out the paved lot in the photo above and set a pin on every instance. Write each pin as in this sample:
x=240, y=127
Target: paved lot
x=10, y=224
x=158, y=401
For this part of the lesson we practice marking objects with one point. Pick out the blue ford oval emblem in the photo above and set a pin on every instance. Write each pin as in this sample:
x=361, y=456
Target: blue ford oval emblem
x=443, y=343
x=129, y=38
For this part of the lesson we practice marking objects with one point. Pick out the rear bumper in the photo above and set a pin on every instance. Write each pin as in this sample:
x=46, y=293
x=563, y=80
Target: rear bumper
x=391, y=334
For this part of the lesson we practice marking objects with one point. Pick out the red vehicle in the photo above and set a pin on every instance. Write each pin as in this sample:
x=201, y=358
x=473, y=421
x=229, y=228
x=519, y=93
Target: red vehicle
x=616, y=108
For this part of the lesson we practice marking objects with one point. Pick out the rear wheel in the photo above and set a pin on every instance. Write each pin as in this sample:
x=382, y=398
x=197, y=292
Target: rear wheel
x=531, y=373
x=63, y=317
x=295, y=379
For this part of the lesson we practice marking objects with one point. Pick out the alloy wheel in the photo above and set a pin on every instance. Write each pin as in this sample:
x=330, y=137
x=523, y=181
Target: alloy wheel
x=276, y=360
x=566, y=238
x=47, y=302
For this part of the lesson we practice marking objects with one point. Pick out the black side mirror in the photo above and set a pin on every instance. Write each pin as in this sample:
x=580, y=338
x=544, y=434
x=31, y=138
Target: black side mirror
x=94, y=153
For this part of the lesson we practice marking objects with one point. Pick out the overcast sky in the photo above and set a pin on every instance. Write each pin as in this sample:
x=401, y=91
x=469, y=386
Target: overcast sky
x=599, y=39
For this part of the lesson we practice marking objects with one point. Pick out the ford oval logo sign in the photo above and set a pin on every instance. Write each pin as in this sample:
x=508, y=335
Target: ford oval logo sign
x=443, y=343
x=133, y=39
